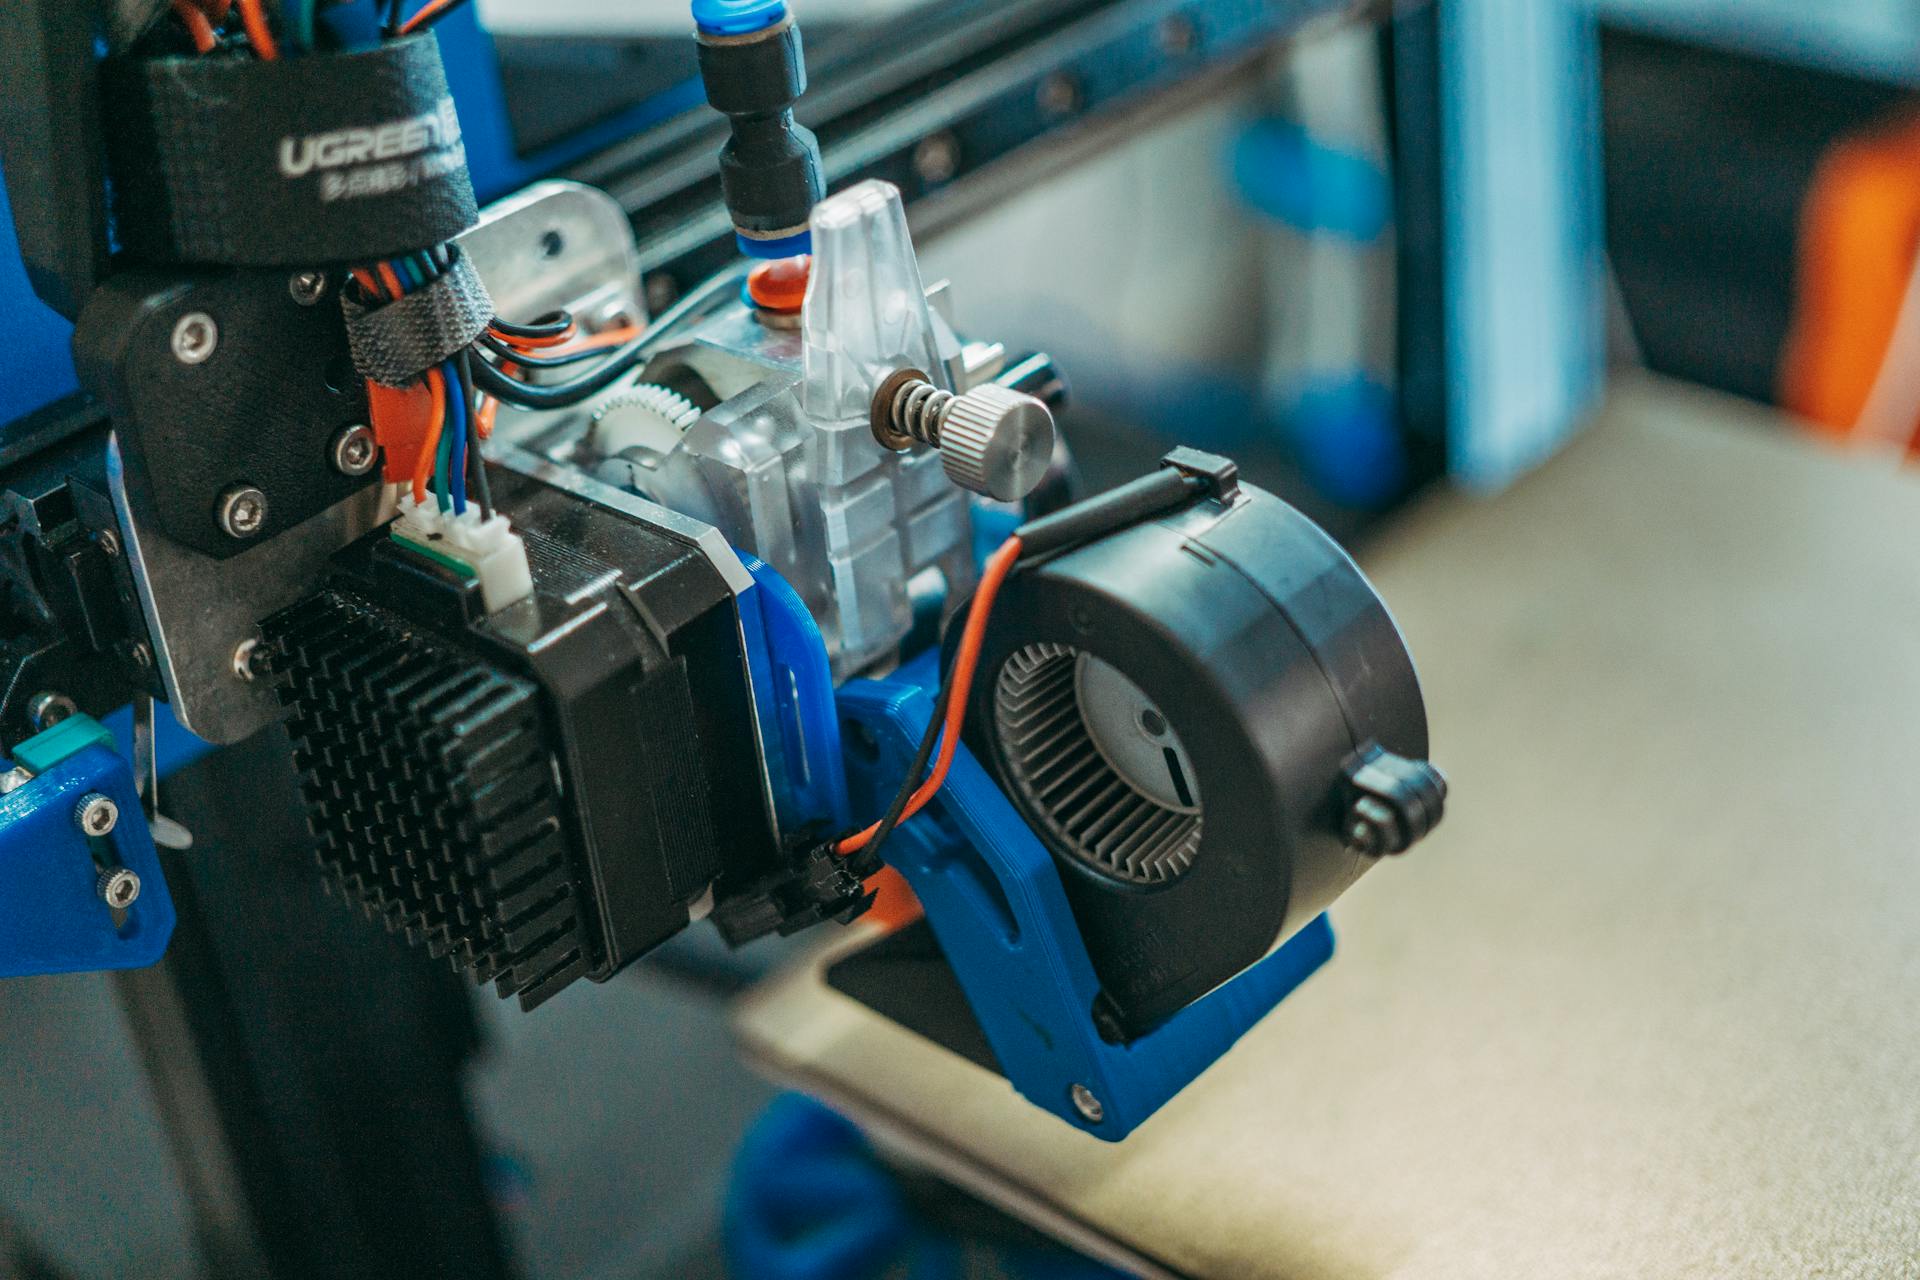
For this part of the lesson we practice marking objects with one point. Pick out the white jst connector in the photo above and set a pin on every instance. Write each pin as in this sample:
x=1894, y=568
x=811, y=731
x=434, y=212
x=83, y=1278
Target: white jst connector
x=488, y=549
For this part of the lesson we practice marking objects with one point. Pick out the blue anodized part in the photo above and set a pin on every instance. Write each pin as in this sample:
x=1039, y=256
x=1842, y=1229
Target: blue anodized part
x=52, y=918
x=996, y=904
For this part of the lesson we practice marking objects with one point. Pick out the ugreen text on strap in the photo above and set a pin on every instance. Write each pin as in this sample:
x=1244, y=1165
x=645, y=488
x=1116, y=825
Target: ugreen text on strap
x=326, y=159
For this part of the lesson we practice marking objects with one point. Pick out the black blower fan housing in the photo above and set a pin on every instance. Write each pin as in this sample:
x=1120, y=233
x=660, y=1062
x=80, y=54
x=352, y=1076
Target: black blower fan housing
x=1213, y=723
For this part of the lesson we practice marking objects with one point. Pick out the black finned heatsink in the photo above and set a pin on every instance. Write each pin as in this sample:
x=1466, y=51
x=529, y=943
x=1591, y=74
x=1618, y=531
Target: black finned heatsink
x=431, y=792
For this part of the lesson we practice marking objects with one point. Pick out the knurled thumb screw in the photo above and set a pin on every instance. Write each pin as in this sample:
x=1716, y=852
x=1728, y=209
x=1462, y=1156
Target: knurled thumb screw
x=992, y=439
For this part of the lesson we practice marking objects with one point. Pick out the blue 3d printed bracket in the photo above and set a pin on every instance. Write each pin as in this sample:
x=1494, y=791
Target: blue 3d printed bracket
x=995, y=902
x=53, y=915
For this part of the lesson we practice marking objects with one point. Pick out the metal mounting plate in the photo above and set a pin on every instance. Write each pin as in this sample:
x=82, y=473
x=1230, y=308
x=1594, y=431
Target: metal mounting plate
x=199, y=610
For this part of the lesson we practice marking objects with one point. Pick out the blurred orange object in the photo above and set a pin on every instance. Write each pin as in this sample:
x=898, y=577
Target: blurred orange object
x=896, y=907
x=1859, y=235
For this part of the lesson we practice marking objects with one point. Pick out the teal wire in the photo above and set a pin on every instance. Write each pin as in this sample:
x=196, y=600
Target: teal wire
x=299, y=19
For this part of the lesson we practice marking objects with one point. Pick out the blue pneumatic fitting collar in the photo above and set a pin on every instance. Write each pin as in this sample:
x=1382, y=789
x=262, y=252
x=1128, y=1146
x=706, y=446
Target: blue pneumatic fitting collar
x=737, y=17
x=785, y=247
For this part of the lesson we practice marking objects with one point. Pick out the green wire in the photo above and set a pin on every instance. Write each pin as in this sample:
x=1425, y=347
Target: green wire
x=442, y=464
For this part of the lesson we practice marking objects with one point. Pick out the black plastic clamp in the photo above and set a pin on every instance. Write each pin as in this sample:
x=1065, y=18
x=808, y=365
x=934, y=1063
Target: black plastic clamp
x=1392, y=802
x=394, y=342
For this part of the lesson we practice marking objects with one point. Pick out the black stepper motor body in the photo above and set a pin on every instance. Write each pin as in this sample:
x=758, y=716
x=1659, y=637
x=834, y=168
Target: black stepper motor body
x=545, y=793
x=1260, y=662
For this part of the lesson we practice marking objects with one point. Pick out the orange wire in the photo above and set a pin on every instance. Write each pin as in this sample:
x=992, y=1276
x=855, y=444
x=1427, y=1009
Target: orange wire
x=197, y=25
x=999, y=565
x=389, y=278
x=255, y=20
x=425, y=14
x=519, y=343
x=606, y=338
x=423, y=468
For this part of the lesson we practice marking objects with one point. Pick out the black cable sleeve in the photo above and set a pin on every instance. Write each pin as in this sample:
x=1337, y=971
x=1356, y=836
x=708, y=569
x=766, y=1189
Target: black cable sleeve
x=1129, y=504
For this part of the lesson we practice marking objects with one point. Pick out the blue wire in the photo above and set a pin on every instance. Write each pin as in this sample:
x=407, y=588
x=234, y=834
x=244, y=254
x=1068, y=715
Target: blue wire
x=408, y=273
x=457, y=426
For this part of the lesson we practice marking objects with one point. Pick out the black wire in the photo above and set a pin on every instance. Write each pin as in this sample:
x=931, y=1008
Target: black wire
x=866, y=858
x=391, y=28
x=562, y=395
x=619, y=361
x=551, y=325
x=526, y=361
x=464, y=363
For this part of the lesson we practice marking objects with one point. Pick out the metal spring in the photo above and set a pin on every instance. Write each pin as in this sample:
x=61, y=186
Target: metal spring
x=920, y=409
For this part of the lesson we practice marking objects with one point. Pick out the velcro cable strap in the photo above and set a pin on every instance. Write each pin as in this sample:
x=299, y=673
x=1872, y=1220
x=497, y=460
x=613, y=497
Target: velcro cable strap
x=394, y=342
x=323, y=159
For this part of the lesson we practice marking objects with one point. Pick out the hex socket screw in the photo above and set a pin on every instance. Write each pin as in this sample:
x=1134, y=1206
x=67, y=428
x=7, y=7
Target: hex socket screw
x=307, y=287
x=249, y=660
x=354, y=450
x=243, y=511
x=44, y=710
x=118, y=887
x=96, y=814
x=1087, y=1104
x=195, y=335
